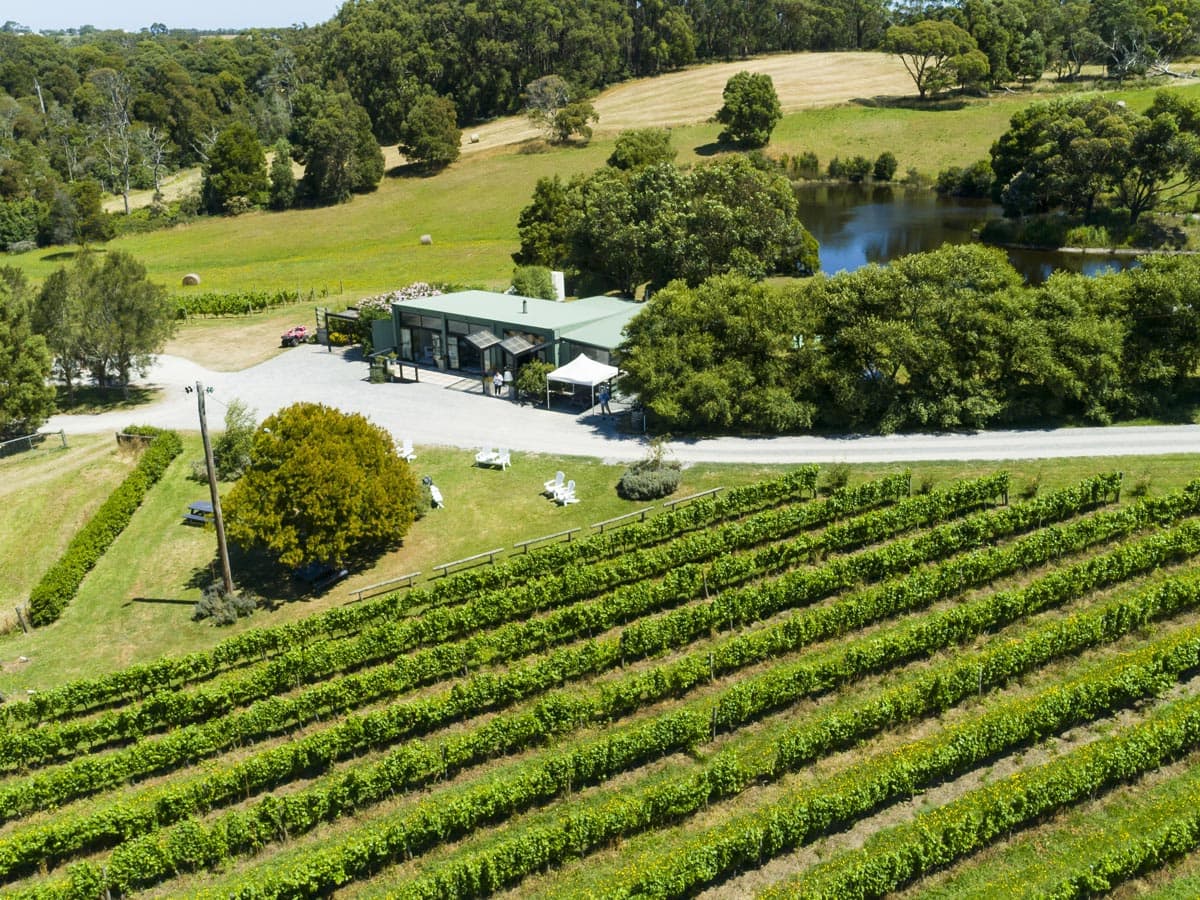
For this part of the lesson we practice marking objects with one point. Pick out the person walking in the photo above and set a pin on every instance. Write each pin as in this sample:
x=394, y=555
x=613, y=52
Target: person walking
x=497, y=383
x=605, y=395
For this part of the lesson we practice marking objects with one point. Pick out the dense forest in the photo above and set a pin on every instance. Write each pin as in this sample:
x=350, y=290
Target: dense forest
x=87, y=111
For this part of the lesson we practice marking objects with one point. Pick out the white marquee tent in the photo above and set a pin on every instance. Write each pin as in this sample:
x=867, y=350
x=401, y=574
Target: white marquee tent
x=582, y=370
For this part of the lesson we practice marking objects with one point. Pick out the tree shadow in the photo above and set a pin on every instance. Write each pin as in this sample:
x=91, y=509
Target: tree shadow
x=60, y=255
x=168, y=600
x=417, y=170
x=94, y=399
x=940, y=104
x=714, y=147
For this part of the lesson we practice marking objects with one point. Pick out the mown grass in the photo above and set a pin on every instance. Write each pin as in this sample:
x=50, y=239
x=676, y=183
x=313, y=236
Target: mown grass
x=136, y=605
x=373, y=243
x=46, y=495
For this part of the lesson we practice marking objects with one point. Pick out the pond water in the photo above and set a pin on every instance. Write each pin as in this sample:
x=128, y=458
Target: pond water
x=857, y=224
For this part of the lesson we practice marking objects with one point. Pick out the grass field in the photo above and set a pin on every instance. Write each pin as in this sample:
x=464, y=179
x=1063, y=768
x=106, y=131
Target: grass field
x=783, y=690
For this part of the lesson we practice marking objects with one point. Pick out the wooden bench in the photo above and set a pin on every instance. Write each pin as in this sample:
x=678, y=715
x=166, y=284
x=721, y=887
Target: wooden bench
x=380, y=586
x=671, y=504
x=618, y=521
x=490, y=554
x=566, y=535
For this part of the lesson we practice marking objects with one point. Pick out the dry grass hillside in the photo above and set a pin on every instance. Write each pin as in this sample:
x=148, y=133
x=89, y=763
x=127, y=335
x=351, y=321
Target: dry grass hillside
x=802, y=80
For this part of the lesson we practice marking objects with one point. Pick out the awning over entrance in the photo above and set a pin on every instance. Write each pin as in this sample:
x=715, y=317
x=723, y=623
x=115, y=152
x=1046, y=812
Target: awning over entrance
x=482, y=339
x=516, y=345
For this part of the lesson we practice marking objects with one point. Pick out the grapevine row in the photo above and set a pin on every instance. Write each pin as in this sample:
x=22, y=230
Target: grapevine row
x=148, y=859
x=866, y=785
x=973, y=821
x=555, y=715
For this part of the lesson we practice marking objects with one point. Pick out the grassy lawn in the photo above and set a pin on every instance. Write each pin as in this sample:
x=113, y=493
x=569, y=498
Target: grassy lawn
x=46, y=495
x=136, y=604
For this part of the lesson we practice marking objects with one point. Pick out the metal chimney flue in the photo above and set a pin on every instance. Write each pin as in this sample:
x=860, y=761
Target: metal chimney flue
x=524, y=307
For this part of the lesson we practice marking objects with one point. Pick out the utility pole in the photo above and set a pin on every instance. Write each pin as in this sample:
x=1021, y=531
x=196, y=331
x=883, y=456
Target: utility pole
x=222, y=549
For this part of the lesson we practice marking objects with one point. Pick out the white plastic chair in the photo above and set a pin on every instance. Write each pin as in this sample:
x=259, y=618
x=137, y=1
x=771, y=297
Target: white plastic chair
x=486, y=456
x=566, y=495
x=555, y=484
x=503, y=459
x=436, y=496
x=406, y=451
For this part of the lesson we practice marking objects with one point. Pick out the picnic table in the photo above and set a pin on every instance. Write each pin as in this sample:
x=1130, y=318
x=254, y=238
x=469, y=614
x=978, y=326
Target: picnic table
x=200, y=512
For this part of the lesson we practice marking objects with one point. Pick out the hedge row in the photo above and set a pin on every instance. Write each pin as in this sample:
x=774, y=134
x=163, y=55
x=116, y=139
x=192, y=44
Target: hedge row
x=59, y=585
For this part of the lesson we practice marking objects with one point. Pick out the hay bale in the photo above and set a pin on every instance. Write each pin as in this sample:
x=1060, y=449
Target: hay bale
x=427, y=239
x=190, y=279
x=475, y=138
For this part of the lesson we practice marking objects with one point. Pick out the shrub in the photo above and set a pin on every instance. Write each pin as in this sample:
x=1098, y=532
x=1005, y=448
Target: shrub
x=531, y=379
x=652, y=477
x=885, y=166
x=644, y=481
x=857, y=168
x=533, y=281
x=223, y=608
x=837, y=477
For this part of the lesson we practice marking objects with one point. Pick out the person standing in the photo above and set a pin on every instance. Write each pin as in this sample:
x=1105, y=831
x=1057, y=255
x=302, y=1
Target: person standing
x=605, y=395
x=497, y=383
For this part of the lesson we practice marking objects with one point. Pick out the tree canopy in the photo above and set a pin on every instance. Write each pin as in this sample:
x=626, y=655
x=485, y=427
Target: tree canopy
x=331, y=135
x=751, y=109
x=1070, y=154
x=641, y=147
x=660, y=222
x=430, y=134
x=322, y=486
x=934, y=341
x=931, y=51
x=719, y=356
x=235, y=174
x=105, y=318
x=27, y=398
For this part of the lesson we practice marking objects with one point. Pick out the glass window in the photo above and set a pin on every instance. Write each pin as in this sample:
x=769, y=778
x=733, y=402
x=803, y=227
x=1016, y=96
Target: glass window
x=434, y=322
x=408, y=318
x=456, y=327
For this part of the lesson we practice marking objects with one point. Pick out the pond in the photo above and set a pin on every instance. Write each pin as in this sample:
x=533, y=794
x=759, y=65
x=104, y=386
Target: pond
x=857, y=224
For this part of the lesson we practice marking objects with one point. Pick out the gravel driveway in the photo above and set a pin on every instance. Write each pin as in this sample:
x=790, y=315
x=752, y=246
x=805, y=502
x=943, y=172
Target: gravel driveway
x=437, y=414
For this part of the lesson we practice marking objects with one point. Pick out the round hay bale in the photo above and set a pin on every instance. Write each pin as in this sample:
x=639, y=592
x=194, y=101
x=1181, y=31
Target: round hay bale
x=475, y=138
x=427, y=239
x=191, y=278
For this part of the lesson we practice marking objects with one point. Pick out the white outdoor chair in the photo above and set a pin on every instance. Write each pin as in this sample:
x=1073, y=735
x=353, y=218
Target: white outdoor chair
x=486, y=456
x=436, y=496
x=566, y=495
x=406, y=451
x=554, y=485
x=503, y=459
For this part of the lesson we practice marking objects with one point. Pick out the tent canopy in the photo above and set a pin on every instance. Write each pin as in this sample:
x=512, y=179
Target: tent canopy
x=583, y=370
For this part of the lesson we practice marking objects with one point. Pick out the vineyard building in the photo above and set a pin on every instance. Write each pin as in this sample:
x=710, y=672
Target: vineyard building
x=476, y=331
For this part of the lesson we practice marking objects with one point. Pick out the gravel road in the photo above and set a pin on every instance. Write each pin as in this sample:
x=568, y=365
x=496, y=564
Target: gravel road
x=434, y=412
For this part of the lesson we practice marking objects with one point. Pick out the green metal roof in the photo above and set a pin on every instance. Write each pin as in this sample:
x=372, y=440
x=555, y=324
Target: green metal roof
x=604, y=332
x=529, y=313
